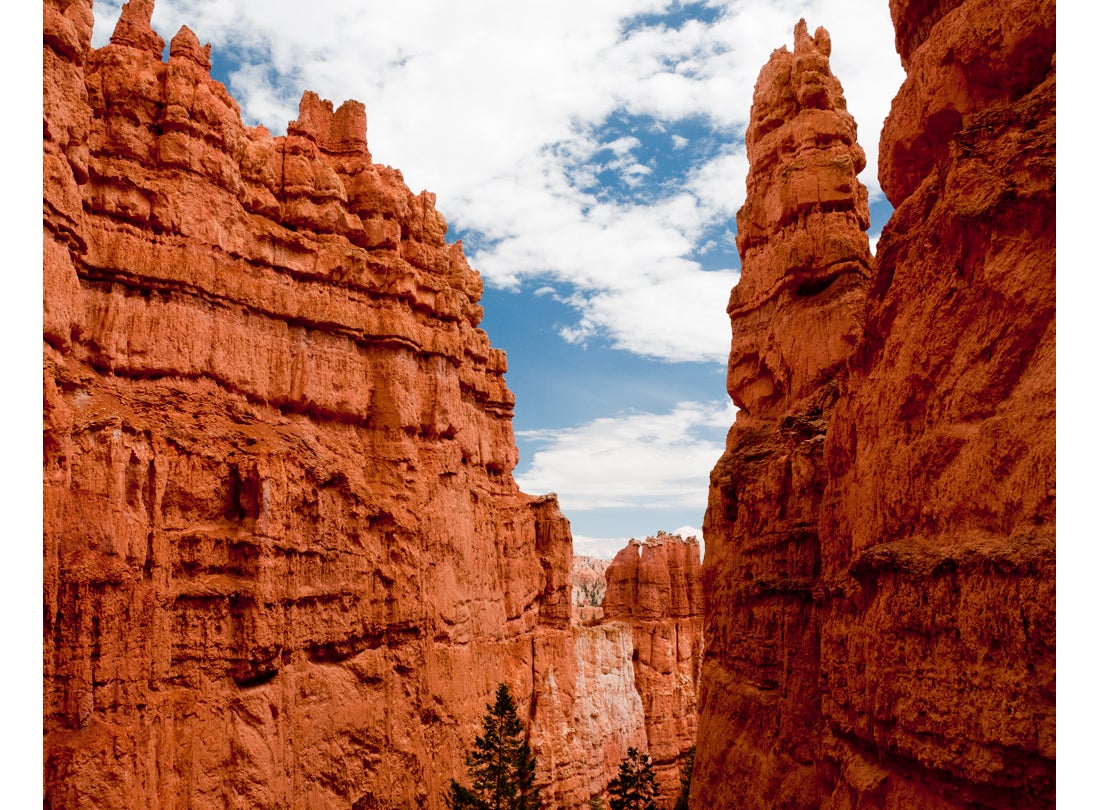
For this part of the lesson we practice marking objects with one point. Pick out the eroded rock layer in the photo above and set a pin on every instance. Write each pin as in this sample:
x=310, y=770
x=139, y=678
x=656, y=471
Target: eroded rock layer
x=880, y=566
x=655, y=587
x=285, y=561
x=938, y=519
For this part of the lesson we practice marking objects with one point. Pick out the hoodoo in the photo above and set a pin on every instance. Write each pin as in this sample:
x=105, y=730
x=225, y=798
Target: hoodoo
x=796, y=316
x=880, y=533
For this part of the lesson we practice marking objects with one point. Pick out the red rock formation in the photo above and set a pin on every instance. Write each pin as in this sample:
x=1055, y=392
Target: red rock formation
x=880, y=566
x=655, y=586
x=795, y=315
x=285, y=561
x=939, y=511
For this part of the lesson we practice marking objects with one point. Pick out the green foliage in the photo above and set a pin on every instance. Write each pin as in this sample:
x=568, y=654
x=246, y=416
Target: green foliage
x=685, y=779
x=595, y=803
x=501, y=764
x=635, y=788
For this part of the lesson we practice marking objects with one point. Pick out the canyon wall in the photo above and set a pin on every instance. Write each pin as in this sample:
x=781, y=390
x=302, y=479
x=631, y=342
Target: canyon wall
x=880, y=566
x=655, y=587
x=285, y=561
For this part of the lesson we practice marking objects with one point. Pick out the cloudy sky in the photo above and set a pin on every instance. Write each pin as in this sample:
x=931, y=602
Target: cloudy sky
x=590, y=155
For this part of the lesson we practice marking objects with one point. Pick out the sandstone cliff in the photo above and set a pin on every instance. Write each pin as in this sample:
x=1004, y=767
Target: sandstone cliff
x=285, y=561
x=880, y=566
x=655, y=587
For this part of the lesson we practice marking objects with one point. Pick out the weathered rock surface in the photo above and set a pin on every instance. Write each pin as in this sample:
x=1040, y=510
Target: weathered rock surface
x=655, y=586
x=589, y=586
x=880, y=566
x=587, y=710
x=285, y=561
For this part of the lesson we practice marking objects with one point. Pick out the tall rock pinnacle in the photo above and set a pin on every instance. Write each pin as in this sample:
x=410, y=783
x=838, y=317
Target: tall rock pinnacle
x=795, y=316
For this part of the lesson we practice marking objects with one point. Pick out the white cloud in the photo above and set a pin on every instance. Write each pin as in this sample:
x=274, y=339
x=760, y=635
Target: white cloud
x=602, y=548
x=688, y=531
x=637, y=460
x=498, y=107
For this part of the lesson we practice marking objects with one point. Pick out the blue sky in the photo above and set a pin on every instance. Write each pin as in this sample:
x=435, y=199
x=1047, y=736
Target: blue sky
x=591, y=158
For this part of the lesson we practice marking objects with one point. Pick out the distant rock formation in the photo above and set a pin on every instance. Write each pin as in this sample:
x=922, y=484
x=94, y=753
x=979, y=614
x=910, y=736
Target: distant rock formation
x=880, y=533
x=589, y=586
x=285, y=560
x=587, y=711
x=637, y=644
x=655, y=587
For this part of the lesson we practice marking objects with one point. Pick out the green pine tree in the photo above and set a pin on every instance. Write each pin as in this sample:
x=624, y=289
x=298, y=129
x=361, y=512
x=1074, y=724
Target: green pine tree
x=635, y=788
x=685, y=779
x=501, y=764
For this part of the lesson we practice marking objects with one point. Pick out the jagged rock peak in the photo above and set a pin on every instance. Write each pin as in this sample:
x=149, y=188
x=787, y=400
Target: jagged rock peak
x=185, y=45
x=341, y=131
x=801, y=228
x=820, y=42
x=135, y=28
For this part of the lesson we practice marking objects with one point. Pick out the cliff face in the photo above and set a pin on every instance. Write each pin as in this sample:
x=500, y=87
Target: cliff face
x=940, y=502
x=285, y=561
x=655, y=587
x=880, y=567
x=587, y=710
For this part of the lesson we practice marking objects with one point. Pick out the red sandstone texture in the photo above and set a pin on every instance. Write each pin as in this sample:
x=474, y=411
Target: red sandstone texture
x=880, y=566
x=655, y=587
x=285, y=561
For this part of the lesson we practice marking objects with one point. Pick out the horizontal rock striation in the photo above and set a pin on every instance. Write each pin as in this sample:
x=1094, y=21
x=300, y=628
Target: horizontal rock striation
x=285, y=561
x=881, y=528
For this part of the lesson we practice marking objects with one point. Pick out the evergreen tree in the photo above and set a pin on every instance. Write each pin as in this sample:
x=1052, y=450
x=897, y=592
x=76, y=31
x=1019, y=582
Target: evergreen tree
x=501, y=764
x=685, y=779
x=635, y=788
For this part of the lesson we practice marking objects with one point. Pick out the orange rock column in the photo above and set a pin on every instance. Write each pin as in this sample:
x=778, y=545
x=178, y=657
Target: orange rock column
x=796, y=318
